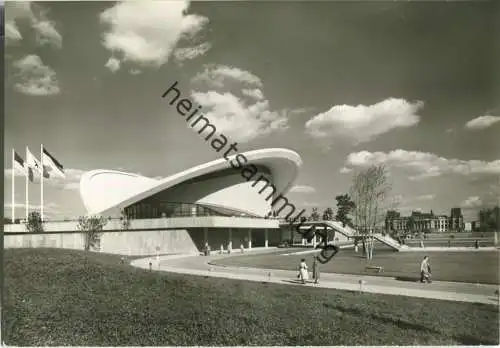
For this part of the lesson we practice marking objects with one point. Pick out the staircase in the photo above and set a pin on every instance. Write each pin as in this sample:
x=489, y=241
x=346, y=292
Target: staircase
x=389, y=241
x=351, y=233
x=338, y=226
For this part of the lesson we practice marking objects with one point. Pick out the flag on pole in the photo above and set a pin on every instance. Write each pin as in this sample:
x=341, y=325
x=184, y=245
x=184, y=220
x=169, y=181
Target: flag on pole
x=19, y=164
x=32, y=162
x=53, y=167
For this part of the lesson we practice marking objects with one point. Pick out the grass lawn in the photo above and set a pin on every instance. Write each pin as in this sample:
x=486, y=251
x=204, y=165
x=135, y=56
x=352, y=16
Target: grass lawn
x=66, y=297
x=458, y=266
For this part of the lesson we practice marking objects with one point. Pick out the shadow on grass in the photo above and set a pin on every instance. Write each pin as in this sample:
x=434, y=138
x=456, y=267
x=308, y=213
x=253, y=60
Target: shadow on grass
x=406, y=325
x=294, y=281
x=473, y=341
x=407, y=279
x=397, y=322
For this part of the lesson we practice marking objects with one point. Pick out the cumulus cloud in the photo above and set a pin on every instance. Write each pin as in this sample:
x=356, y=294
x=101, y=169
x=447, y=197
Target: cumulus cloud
x=147, y=32
x=423, y=164
x=302, y=189
x=50, y=205
x=70, y=182
x=188, y=53
x=307, y=204
x=49, y=208
x=36, y=78
x=254, y=93
x=428, y=197
x=12, y=33
x=345, y=170
x=113, y=64
x=482, y=122
x=34, y=14
x=362, y=123
x=219, y=75
x=240, y=117
x=472, y=202
x=47, y=33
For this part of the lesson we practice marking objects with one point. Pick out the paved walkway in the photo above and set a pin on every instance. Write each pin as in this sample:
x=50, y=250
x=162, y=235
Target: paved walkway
x=207, y=266
x=433, y=248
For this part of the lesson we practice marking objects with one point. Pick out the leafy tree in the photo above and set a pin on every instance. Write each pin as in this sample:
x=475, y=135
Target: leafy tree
x=314, y=215
x=489, y=219
x=328, y=214
x=34, y=223
x=344, y=208
x=91, y=227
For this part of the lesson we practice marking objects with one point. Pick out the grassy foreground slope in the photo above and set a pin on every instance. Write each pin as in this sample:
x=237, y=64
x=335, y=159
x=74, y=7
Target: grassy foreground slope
x=63, y=297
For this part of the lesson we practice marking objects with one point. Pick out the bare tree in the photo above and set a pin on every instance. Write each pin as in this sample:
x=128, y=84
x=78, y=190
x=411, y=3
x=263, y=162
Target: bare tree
x=369, y=190
x=125, y=219
x=314, y=215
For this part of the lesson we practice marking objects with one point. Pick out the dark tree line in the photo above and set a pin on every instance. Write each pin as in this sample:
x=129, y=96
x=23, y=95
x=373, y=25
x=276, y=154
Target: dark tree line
x=345, y=205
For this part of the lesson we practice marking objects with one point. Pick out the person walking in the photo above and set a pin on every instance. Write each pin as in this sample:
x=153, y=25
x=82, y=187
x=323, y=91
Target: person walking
x=316, y=270
x=425, y=270
x=303, y=273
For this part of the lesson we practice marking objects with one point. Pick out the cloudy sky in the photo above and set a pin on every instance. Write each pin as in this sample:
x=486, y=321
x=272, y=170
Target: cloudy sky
x=346, y=85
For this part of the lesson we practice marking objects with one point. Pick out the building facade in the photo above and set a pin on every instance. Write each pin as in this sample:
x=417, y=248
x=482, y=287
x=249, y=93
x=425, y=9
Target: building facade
x=456, y=221
x=416, y=222
x=223, y=204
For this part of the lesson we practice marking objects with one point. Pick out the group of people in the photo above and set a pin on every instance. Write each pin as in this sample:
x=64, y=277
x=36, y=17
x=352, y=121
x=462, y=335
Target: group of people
x=425, y=271
x=304, y=271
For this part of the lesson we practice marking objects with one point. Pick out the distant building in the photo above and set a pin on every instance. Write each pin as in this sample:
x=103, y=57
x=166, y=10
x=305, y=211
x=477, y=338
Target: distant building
x=442, y=223
x=489, y=219
x=468, y=226
x=456, y=221
x=416, y=222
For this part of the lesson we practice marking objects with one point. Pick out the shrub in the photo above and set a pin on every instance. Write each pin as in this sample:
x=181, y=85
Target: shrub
x=34, y=223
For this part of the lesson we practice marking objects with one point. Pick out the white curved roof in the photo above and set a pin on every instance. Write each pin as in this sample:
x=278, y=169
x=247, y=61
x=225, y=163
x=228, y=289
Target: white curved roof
x=102, y=190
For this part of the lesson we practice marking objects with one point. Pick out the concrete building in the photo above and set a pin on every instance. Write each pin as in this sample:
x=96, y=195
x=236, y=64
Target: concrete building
x=223, y=203
x=242, y=188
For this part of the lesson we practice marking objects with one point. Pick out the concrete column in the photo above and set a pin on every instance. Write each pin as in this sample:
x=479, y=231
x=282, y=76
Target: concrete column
x=230, y=244
x=249, y=238
x=314, y=241
x=266, y=233
x=495, y=238
x=205, y=235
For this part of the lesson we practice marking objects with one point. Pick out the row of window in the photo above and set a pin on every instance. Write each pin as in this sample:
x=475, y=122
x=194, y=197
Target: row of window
x=156, y=210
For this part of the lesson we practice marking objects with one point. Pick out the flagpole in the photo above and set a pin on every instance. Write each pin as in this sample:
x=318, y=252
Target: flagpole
x=27, y=198
x=41, y=181
x=13, y=187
